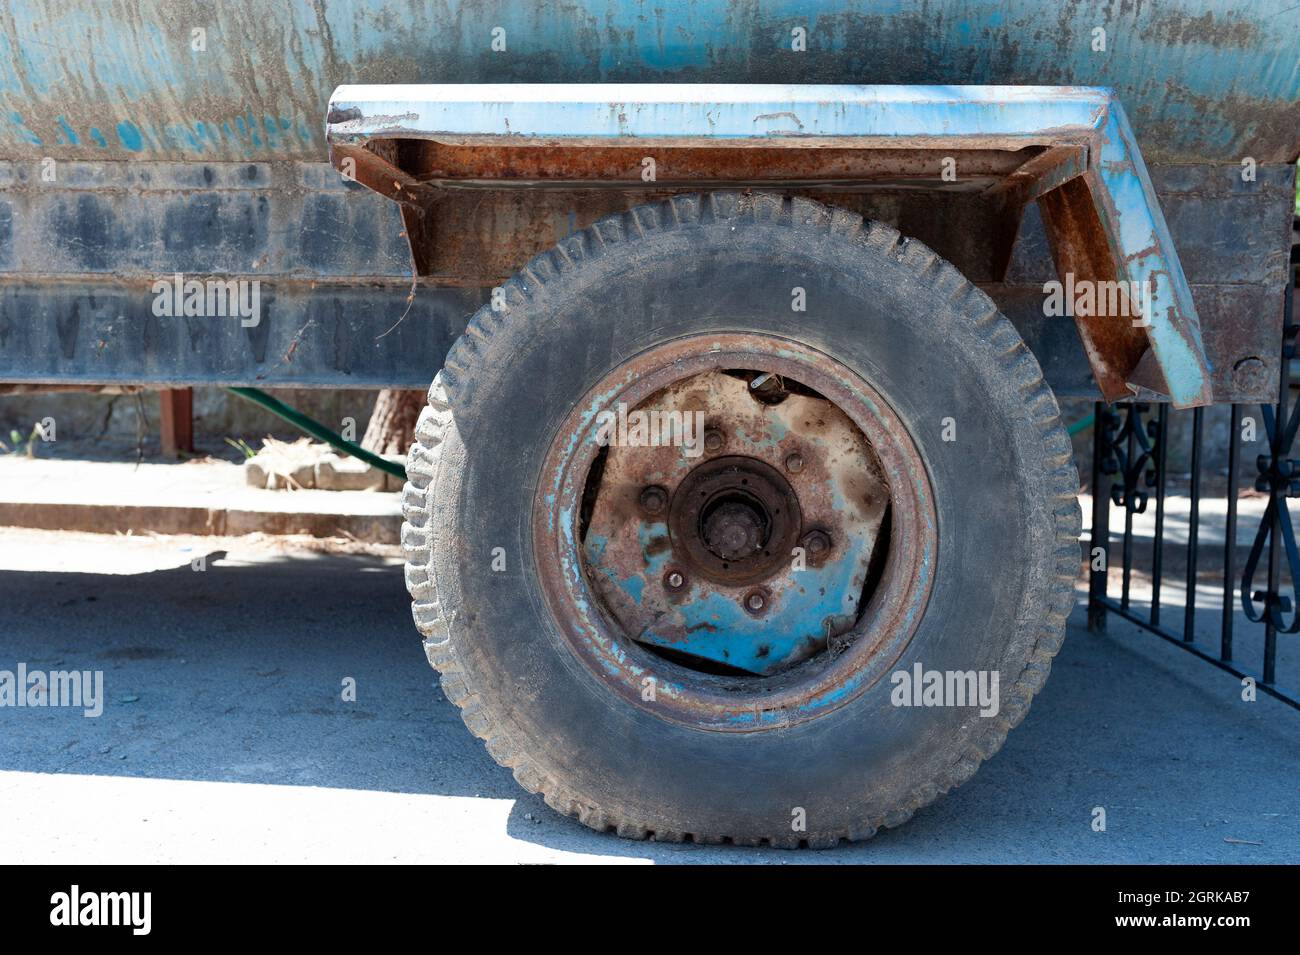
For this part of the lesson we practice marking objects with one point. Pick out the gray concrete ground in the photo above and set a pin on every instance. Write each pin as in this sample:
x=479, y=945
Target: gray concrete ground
x=224, y=737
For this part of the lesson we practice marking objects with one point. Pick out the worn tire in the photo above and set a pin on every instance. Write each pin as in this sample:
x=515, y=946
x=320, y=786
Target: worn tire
x=886, y=306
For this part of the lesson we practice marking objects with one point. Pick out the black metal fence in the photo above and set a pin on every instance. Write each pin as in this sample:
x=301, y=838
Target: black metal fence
x=1131, y=452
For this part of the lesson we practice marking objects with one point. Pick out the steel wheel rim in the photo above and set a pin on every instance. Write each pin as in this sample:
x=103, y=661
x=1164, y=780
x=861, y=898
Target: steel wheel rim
x=810, y=689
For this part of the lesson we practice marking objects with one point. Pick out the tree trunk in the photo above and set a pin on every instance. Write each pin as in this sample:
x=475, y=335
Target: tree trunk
x=392, y=424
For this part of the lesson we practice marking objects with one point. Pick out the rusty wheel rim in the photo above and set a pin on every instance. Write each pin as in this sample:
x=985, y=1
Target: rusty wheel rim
x=644, y=676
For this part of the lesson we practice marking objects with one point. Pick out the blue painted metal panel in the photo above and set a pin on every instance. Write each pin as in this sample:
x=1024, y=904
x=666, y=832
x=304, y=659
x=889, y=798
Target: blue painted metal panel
x=715, y=625
x=575, y=113
x=1204, y=80
x=1146, y=255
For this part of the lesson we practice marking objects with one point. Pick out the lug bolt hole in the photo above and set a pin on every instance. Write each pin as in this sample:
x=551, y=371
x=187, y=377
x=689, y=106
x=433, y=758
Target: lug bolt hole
x=654, y=499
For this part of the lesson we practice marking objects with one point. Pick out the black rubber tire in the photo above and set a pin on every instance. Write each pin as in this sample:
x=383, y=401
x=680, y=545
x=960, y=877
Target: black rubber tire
x=885, y=306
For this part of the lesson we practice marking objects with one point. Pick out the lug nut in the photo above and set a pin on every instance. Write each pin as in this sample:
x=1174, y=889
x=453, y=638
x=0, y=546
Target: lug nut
x=794, y=463
x=713, y=440
x=673, y=580
x=755, y=602
x=815, y=543
x=653, y=499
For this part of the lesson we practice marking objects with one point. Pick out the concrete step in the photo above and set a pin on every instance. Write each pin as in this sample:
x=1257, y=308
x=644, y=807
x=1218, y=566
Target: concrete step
x=205, y=497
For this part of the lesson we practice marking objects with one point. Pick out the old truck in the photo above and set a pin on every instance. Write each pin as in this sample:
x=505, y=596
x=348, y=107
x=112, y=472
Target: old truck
x=742, y=508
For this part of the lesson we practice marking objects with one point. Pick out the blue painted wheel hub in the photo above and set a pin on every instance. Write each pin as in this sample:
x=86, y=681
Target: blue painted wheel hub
x=734, y=522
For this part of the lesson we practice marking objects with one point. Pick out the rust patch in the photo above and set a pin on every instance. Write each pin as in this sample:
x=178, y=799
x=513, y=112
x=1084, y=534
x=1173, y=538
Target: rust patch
x=1179, y=28
x=1080, y=245
x=602, y=166
x=800, y=473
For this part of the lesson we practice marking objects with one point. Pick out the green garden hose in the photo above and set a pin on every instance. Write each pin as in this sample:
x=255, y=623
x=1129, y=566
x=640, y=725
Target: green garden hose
x=318, y=430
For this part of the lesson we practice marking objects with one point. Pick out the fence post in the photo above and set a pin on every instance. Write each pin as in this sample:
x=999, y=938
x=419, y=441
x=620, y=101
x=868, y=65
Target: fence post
x=1100, y=523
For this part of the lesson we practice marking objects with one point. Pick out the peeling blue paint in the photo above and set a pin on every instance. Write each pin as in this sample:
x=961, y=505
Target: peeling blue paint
x=25, y=134
x=69, y=134
x=126, y=60
x=130, y=137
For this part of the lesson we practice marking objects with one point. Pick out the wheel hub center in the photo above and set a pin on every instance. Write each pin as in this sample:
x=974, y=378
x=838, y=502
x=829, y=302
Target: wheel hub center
x=735, y=526
x=734, y=519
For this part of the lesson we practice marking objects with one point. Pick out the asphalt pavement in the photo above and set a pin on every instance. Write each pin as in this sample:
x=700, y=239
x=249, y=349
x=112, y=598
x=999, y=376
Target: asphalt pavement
x=225, y=737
